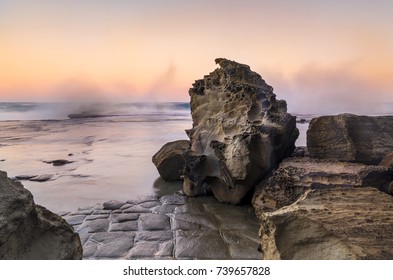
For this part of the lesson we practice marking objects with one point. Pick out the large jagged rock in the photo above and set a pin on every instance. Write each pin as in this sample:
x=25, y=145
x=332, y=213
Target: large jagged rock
x=340, y=223
x=29, y=231
x=169, y=160
x=240, y=132
x=352, y=138
x=297, y=175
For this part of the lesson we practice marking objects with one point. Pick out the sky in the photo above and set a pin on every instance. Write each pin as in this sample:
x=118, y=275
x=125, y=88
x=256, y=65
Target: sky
x=318, y=55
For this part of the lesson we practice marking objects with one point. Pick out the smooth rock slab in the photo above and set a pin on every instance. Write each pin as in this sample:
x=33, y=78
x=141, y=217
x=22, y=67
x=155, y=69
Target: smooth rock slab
x=113, y=245
x=238, y=222
x=100, y=225
x=96, y=217
x=99, y=212
x=150, y=204
x=113, y=205
x=144, y=249
x=242, y=244
x=173, y=199
x=119, y=218
x=164, y=209
x=83, y=212
x=165, y=249
x=89, y=249
x=194, y=221
x=41, y=178
x=136, y=209
x=154, y=222
x=192, y=208
x=198, y=244
x=245, y=250
x=142, y=199
x=75, y=219
x=154, y=235
x=158, y=231
x=124, y=226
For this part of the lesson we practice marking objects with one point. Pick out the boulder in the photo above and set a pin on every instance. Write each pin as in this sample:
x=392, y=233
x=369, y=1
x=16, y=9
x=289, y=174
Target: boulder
x=297, y=175
x=387, y=161
x=169, y=160
x=339, y=223
x=240, y=133
x=29, y=231
x=352, y=138
x=300, y=152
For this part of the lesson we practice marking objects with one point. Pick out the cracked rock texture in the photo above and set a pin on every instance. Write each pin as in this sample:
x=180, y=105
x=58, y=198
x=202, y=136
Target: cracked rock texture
x=339, y=223
x=352, y=138
x=168, y=227
x=29, y=231
x=297, y=175
x=240, y=132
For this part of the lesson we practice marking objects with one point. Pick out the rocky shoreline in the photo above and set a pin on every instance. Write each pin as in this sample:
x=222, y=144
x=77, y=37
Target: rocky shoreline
x=329, y=200
x=245, y=185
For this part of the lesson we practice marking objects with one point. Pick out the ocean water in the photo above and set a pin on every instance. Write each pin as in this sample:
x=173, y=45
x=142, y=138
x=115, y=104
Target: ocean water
x=110, y=156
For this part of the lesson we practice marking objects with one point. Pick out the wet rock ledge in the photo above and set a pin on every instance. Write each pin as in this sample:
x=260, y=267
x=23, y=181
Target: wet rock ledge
x=170, y=227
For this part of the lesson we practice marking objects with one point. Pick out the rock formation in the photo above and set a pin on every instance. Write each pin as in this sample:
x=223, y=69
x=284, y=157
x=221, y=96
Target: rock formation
x=352, y=138
x=297, y=175
x=29, y=231
x=240, y=132
x=169, y=159
x=387, y=161
x=339, y=223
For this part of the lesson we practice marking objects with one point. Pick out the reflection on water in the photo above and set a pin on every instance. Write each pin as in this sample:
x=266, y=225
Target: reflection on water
x=162, y=187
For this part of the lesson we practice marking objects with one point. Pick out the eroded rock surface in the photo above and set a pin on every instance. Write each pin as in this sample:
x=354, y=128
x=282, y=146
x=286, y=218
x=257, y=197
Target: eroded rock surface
x=29, y=231
x=240, y=132
x=169, y=227
x=387, y=161
x=169, y=159
x=339, y=223
x=353, y=138
x=297, y=175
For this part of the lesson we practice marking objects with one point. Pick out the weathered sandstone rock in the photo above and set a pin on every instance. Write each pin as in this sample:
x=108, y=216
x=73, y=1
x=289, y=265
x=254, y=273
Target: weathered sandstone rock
x=340, y=223
x=352, y=138
x=169, y=159
x=387, y=161
x=297, y=175
x=240, y=132
x=29, y=231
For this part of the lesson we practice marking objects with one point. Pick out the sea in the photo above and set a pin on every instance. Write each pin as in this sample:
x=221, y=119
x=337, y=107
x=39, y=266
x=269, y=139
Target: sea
x=110, y=157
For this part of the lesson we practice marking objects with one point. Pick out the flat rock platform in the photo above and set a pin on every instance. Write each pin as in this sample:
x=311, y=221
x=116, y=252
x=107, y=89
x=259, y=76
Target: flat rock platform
x=167, y=227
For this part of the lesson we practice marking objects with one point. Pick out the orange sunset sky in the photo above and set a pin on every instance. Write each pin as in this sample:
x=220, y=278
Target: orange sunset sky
x=330, y=55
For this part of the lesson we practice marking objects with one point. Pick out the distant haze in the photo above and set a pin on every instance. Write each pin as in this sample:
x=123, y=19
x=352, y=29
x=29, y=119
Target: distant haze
x=320, y=56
